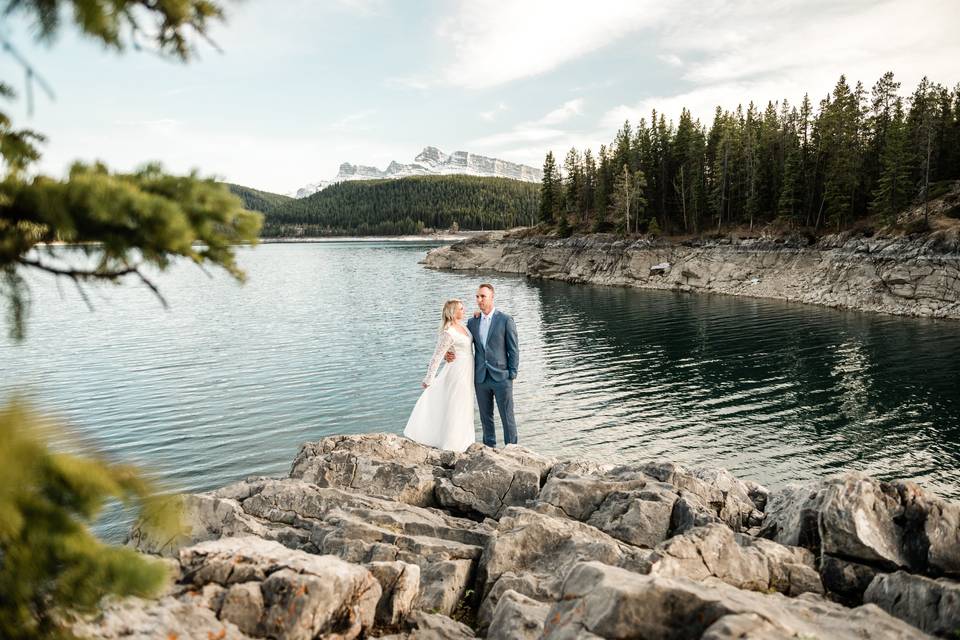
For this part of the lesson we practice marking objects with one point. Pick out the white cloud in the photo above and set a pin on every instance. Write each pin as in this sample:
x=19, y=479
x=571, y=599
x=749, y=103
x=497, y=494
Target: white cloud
x=529, y=141
x=491, y=115
x=671, y=59
x=563, y=113
x=494, y=42
x=766, y=51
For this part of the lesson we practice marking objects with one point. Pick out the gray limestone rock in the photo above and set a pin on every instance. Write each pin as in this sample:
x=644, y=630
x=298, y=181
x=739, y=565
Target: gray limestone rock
x=243, y=606
x=610, y=602
x=444, y=585
x=542, y=548
x=887, y=525
x=714, y=551
x=897, y=274
x=931, y=605
x=710, y=494
x=645, y=504
x=744, y=626
x=517, y=617
x=205, y=517
x=857, y=521
x=529, y=585
x=639, y=517
x=400, y=588
x=845, y=580
x=421, y=625
x=161, y=619
x=303, y=595
x=486, y=481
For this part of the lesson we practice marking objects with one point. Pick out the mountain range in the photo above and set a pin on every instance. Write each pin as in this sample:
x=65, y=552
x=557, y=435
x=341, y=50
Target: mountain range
x=431, y=162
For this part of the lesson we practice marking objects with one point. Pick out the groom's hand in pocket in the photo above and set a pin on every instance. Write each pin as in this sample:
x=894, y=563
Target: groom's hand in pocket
x=450, y=356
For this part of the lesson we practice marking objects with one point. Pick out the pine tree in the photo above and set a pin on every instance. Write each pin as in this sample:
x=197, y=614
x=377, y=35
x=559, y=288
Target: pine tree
x=829, y=165
x=573, y=183
x=588, y=194
x=601, y=201
x=841, y=129
x=892, y=192
x=550, y=194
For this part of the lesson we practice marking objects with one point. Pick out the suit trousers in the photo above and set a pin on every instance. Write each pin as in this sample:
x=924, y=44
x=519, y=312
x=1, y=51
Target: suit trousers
x=502, y=391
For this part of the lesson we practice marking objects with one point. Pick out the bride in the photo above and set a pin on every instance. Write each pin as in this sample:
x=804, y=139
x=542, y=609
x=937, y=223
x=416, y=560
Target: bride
x=443, y=416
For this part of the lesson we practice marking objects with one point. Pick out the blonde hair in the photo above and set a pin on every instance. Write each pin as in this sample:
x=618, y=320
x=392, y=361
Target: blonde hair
x=449, y=313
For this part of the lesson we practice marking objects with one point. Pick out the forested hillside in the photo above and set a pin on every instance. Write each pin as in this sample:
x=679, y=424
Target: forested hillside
x=404, y=206
x=256, y=200
x=857, y=153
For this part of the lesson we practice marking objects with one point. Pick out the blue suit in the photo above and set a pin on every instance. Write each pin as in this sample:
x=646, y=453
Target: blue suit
x=496, y=365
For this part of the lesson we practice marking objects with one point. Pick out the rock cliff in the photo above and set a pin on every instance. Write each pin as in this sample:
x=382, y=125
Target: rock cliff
x=905, y=275
x=377, y=536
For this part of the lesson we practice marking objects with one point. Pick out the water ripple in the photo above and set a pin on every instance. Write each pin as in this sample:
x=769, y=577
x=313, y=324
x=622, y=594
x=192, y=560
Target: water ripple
x=335, y=337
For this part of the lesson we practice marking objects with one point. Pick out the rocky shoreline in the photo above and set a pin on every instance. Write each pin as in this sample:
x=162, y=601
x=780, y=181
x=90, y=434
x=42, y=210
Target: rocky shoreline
x=377, y=536
x=904, y=275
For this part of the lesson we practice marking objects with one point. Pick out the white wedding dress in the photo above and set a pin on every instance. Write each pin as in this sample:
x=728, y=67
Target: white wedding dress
x=443, y=416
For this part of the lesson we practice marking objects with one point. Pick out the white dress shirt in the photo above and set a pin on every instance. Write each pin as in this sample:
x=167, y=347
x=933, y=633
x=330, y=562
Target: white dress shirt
x=485, y=319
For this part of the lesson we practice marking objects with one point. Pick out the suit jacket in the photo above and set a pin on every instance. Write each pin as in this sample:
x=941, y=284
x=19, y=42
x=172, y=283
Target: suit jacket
x=500, y=357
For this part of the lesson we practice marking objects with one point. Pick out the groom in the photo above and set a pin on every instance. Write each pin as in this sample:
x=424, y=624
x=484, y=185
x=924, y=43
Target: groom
x=496, y=358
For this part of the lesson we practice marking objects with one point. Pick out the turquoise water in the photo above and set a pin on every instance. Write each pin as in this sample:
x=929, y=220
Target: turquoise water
x=334, y=338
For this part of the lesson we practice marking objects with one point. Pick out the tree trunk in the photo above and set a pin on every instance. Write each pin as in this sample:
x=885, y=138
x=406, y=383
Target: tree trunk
x=926, y=182
x=683, y=199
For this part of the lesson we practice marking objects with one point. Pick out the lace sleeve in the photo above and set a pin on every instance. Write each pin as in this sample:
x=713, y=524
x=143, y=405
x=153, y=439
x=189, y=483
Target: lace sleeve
x=444, y=342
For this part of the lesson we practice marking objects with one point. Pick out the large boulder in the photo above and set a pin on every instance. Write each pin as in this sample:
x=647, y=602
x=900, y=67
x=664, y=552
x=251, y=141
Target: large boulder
x=792, y=515
x=355, y=527
x=715, y=551
x=931, y=605
x=421, y=625
x=486, y=481
x=296, y=595
x=624, y=503
x=385, y=465
x=859, y=518
x=533, y=551
x=517, y=617
x=205, y=516
x=647, y=503
x=716, y=491
x=609, y=602
x=161, y=619
x=845, y=580
x=886, y=525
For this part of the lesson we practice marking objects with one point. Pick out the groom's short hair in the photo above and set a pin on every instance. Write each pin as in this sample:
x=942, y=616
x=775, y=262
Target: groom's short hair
x=487, y=286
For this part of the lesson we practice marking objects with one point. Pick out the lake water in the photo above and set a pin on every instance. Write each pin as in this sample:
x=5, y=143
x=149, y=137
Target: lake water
x=334, y=338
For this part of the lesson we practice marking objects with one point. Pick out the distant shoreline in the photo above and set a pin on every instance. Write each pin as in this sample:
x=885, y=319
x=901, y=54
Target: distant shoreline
x=463, y=235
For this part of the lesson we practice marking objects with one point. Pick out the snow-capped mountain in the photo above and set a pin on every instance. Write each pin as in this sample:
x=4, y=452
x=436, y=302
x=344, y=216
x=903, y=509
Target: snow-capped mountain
x=431, y=162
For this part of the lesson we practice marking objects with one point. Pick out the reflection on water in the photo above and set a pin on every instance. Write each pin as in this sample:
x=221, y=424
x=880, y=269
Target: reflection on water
x=334, y=337
x=773, y=391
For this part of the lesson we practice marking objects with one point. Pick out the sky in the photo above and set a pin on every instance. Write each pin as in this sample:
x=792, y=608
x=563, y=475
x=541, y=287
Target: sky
x=300, y=86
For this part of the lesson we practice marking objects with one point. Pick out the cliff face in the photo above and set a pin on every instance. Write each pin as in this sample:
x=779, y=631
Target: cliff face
x=906, y=275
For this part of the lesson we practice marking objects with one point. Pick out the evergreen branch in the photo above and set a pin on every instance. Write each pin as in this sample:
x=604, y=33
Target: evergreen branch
x=83, y=275
x=79, y=274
